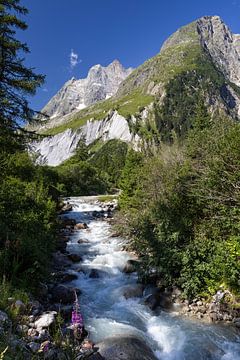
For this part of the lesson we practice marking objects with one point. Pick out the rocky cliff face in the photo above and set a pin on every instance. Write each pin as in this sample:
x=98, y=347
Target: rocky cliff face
x=222, y=44
x=58, y=148
x=100, y=84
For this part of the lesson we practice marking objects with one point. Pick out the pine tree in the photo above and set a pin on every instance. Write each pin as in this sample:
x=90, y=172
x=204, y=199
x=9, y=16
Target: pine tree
x=202, y=119
x=16, y=80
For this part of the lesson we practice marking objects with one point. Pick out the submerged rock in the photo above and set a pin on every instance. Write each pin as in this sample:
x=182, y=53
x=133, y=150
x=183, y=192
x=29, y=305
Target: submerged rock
x=94, y=274
x=131, y=291
x=75, y=257
x=125, y=348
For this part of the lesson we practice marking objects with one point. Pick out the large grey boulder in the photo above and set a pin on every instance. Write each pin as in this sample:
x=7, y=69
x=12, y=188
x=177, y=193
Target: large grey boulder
x=125, y=348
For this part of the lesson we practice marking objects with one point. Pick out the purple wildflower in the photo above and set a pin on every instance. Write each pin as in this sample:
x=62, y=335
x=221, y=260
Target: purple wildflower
x=77, y=319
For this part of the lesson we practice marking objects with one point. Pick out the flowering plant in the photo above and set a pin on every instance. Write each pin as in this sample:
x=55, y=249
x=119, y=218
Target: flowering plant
x=77, y=319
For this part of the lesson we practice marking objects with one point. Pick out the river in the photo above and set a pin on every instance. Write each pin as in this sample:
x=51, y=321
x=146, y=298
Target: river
x=106, y=312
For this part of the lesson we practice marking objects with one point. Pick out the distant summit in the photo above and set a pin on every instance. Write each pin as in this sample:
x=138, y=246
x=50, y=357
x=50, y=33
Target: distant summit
x=100, y=84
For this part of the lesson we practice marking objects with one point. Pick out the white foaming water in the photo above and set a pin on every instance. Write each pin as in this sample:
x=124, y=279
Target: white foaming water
x=107, y=312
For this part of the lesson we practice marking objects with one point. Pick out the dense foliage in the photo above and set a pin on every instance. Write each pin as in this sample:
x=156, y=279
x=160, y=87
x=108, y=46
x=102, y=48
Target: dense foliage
x=27, y=218
x=27, y=192
x=93, y=170
x=110, y=160
x=184, y=210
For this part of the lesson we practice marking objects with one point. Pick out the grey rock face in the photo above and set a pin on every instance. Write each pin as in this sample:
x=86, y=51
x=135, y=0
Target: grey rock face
x=100, y=84
x=222, y=44
x=55, y=149
x=217, y=39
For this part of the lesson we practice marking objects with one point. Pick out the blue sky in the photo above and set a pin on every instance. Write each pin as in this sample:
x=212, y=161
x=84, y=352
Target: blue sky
x=99, y=31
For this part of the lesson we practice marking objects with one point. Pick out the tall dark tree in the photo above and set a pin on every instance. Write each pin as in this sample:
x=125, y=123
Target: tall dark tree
x=16, y=80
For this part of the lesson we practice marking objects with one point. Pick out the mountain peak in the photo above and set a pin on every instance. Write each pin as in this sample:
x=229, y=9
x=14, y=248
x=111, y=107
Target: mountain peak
x=100, y=84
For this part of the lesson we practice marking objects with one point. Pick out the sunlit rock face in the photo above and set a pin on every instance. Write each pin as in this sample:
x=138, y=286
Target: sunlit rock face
x=53, y=150
x=100, y=84
x=222, y=44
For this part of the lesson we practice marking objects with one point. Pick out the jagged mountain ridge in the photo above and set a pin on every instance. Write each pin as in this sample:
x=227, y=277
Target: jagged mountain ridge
x=200, y=60
x=100, y=84
x=209, y=34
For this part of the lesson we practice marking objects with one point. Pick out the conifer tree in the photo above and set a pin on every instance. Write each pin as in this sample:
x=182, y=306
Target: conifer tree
x=16, y=80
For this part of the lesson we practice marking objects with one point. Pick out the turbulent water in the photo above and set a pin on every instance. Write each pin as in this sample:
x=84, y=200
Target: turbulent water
x=106, y=312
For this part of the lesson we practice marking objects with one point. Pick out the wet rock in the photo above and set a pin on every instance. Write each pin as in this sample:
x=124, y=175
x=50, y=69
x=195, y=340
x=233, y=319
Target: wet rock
x=5, y=322
x=60, y=261
x=66, y=208
x=152, y=301
x=68, y=222
x=80, y=226
x=21, y=329
x=213, y=316
x=36, y=308
x=131, y=291
x=63, y=277
x=96, y=214
x=3, y=317
x=42, y=291
x=75, y=257
x=94, y=274
x=63, y=294
x=34, y=347
x=131, y=266
x=83, y=241
x=45, y=320
x=165, y=301
x=125, y=348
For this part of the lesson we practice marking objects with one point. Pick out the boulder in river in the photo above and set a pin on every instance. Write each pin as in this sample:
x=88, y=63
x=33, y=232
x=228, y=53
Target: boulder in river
x=83, y=241
x=94, y=274
x=131, y=266
x=75, y=257
x=66, y=207
x=80, y=226
x=152, y=301
x=125, y=348
x=63, y=294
